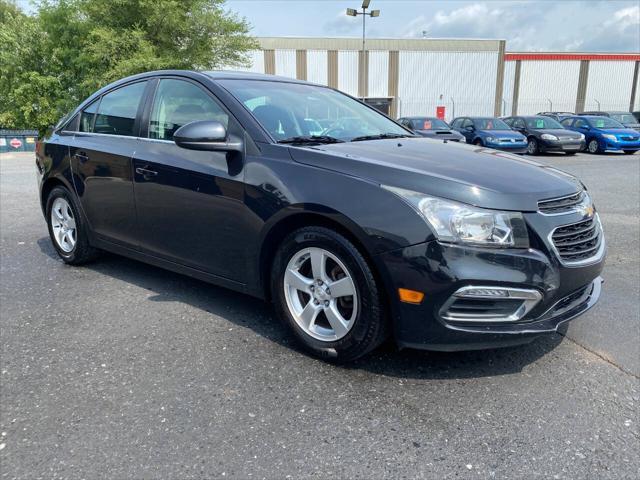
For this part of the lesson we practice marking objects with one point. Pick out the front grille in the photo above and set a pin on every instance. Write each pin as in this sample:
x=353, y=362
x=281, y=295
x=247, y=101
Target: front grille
x=629, y=138
x=559, y=205
x=578, y=241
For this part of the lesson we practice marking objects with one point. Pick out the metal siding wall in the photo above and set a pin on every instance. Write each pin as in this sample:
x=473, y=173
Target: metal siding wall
x=286, y=63
x=469, y=78
x=317, y=66
x=507, y=89
x=378, y=73
x=348, y=72
x=548, y=79
x=636, y=106
x=610, y=83
x=256, y=57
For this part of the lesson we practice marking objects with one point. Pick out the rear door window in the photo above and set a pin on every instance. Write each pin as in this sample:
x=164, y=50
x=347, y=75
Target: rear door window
x=117, y=111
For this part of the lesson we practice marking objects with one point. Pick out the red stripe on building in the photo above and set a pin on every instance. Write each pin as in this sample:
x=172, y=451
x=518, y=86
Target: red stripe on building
x=629, y=57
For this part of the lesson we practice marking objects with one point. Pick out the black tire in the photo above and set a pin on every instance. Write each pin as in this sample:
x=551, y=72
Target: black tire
x=532, y=146
x=630, y=152
x=82, y=252
x=594, y=146
x=478, y=141
x=370, y=327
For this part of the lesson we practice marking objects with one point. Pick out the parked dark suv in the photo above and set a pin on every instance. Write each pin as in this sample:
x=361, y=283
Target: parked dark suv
x=361, y=232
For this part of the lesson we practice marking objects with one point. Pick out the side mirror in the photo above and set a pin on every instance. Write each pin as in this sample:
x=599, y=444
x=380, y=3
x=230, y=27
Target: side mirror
x=205, y=135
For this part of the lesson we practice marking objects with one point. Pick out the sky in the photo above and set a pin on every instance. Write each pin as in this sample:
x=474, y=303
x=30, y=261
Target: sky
x=544, y=25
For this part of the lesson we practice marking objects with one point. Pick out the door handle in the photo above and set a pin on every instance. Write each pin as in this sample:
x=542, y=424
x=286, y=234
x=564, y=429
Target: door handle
x=82, y=157
x=146, y=172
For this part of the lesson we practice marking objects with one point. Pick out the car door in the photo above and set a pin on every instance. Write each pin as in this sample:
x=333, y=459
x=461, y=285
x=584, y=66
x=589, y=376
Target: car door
x=581, y=125
x=190, y=203
x=469, y=133
x=101, y=152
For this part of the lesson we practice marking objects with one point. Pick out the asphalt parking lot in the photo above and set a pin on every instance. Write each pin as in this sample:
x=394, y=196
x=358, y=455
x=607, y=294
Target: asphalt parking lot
x=119, y=369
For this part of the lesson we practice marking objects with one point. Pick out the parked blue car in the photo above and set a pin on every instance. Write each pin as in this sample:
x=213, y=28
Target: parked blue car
x=604, y=133
x=490, y=132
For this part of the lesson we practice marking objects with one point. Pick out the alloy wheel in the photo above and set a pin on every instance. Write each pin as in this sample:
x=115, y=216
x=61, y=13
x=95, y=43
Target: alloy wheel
x=63, y=225
x=532, y=147
x=593, y=146
x=320, y=294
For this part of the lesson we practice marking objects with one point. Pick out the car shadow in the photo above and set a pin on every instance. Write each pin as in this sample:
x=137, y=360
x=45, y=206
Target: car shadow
x=258, y=315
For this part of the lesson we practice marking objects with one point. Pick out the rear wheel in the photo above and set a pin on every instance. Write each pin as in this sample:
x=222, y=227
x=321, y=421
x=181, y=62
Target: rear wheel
x=594, y=146
x=630, y=152
x=67, y=228
x=325, y=292
x=532, y=147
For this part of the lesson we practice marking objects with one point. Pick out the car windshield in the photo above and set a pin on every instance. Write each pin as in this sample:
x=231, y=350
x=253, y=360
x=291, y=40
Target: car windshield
x=293, y=111
x=429, y=124
x=490, y=124
x=539, y=123
x=624, y=118
x=604, y=122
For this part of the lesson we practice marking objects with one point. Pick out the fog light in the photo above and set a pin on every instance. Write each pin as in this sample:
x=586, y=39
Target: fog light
x=410, y=296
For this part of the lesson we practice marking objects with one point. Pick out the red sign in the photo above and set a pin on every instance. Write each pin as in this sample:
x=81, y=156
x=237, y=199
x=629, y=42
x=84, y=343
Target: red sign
x=15, y=143
x=440, y=112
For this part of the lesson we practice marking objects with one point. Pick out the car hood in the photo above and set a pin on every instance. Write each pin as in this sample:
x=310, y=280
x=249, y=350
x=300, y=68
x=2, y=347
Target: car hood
x=617, y=131
x=470, y=174
x=559, y=132
x=501, y=134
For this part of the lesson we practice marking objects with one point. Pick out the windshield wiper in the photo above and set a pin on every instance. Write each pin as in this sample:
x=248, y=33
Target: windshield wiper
x=311, y=139
x=381, y=136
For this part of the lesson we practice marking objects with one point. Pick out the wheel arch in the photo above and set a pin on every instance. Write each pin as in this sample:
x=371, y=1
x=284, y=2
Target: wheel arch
x=48, y=185
x=292, y=221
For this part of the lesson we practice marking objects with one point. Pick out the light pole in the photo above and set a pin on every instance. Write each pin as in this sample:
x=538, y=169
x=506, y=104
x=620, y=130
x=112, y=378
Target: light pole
x=352, y=12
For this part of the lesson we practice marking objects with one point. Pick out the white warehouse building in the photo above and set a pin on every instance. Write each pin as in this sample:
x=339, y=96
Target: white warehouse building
x=467, y=77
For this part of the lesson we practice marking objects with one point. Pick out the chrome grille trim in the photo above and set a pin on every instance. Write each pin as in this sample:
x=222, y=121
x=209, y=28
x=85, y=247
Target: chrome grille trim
x=487, y=309
x=578, y=244
x=561, y=205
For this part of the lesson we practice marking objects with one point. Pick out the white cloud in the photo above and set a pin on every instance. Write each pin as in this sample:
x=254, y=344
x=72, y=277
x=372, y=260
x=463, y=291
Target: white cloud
x=564, y=26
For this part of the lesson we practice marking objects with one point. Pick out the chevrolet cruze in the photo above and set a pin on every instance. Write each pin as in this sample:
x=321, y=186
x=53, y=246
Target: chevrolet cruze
x=357, y=233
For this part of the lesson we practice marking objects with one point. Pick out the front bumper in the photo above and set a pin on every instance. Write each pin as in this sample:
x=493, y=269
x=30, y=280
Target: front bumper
x=619, y=145
x=441, y=270
x=561, y=145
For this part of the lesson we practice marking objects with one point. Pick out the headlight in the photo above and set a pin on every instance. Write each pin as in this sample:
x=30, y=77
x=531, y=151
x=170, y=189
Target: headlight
x=610, y=137
x=548, y=136
x=581, y=136
x=455, y=222
x=490, y=139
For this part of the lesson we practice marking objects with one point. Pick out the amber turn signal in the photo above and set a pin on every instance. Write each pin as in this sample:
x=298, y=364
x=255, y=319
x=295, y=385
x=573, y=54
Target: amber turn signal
x=410, y=296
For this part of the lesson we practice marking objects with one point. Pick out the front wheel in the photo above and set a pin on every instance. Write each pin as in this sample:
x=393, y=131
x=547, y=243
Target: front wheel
x=67, y=228
x=594, y=146
x=478, y=142
x=532, y=147
x=630, y=152
x=325, y=292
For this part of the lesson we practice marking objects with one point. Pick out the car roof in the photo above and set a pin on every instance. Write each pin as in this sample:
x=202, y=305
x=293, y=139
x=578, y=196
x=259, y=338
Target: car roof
x=242, y=75
x=419, y=117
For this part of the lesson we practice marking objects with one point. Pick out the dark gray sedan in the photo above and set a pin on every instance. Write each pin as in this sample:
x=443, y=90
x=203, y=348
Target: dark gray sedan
x=431, y=127
x=544, y=134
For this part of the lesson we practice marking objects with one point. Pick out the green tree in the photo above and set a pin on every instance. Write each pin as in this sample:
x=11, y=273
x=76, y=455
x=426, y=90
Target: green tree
x=53, y=59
